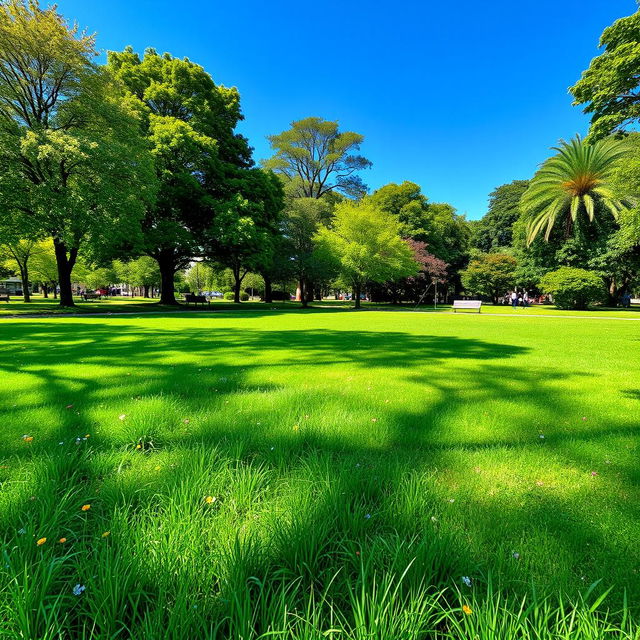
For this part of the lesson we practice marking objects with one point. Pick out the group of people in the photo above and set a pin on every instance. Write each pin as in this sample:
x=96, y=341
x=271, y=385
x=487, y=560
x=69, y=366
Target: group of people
x=516, y=299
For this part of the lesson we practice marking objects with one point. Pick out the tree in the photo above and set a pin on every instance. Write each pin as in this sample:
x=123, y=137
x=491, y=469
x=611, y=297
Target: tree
x=314, y=158
x=44, y=268
x=144, y=274
x=18, y=254
x=189, y=124
x=73, y=165
x=576, y=182
x=437, y=224
x=490, y=275
x=302, y=220
x=610, y=87
x=495, y=230
x=366, y=245
x=240, y=237
x=573, y=288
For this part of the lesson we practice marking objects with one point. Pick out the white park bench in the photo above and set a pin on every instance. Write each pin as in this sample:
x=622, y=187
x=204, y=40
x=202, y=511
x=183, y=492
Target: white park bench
x=467, y=304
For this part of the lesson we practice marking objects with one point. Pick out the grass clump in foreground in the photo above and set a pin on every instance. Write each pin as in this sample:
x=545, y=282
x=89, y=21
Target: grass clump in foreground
x=319, y=475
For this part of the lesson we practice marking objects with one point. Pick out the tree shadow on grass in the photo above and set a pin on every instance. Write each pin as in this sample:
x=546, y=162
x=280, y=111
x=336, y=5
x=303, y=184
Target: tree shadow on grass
x=374, y=497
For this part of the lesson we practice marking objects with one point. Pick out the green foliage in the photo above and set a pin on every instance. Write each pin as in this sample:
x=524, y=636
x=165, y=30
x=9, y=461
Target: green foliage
x=490, y=275
x=609, y=87
x=573, y=288
x=576, y=183
x=495, y=230
x=314, y=158
x=366, y=244
x=228, y=295
x=73, y=165
x=189, y=123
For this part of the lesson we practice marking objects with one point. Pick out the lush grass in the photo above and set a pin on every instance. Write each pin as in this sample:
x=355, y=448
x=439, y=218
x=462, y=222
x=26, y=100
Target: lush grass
x=359, y=465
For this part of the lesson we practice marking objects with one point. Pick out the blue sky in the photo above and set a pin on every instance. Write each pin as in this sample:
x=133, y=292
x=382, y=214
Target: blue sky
x=458, y=96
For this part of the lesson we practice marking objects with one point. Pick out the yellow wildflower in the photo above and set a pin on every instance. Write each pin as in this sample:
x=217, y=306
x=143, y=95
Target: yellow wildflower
x=467, y=609
x=41, y=541
x=86, y=507
x=106, y=534
x=62, y=540
x=209, y=499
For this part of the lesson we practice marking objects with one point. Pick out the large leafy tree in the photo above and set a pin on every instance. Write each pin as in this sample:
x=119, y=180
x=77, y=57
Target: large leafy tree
x=490, y=275
x=190, y=124
x=575, y=184
x=314, y=158
x=445, y=232
x=302, y=220
x=242, y=233
x=72, y=163
x=495, y=230
x=366, y=244
x=610, y=87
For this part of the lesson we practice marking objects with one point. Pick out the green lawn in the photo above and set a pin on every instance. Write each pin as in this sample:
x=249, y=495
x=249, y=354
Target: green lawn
x=357, y=465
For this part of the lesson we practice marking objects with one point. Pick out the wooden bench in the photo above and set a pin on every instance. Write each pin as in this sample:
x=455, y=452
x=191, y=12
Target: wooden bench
x=190, y=297
x=91, y=296
x=4, y=297
x=467, y=304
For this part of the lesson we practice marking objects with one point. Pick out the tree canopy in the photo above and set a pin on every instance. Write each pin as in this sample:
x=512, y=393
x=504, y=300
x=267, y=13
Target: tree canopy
x=315, y=158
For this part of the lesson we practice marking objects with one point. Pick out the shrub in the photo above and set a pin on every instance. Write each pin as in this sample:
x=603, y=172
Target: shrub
x=244, y=296
x=573, y=288
x=228, y=295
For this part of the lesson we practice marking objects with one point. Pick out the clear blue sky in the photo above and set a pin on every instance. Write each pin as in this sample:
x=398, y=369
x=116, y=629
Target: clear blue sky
x=459, y=96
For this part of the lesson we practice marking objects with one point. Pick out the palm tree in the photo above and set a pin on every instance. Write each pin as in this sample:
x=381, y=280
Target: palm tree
x=576, y=179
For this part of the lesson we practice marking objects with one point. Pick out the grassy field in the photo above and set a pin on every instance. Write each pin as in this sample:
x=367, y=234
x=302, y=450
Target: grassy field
x=321, y=474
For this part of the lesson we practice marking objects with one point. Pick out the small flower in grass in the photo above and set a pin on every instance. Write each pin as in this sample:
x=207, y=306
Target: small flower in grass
x=62, y=540
x=88, y=435
x=157, y=468
x=434, y=519
x=138, y=446
x=122, y=416
x=516, y=555
x=69, y=406
x=584, y=417
x=21, y=532
x=541, y=436
x=594, y=473
x=466, y=580
x=60, y=443
x=367, y=516
x=41, y=541
x=186, y=421
x=467, y=609
x=374, y=419
x=452, y=500
x=106, y=534
x=27, y=438
x=358, y=553
x=86, y=507
x=78, y=589
x=296, y=428
x=210, y=499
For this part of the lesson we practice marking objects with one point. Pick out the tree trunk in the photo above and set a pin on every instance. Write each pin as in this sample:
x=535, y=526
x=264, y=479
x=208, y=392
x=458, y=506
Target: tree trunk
x=268, y=294
x=146, y=290
x=356, y=296
x=167, y=266
x=237, y=283
x=24, y=274
x=302, y=287
x=45, y=290
x=65, y=265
